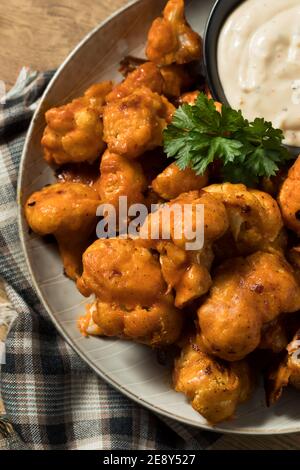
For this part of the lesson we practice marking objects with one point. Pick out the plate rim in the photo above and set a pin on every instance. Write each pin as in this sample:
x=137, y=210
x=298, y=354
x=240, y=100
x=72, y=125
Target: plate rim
x=20, y=219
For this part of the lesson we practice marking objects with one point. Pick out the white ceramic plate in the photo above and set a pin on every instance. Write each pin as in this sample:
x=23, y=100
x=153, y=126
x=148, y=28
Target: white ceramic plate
x=132, y=369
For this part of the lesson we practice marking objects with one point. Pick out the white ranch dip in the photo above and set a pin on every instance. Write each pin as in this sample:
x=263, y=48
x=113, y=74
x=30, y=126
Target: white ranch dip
x=259, y=63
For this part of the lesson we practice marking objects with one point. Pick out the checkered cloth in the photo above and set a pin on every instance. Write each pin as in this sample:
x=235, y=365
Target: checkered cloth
x=53, y=400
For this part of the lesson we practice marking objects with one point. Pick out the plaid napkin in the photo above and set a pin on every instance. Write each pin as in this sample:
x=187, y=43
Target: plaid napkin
x=53, y=400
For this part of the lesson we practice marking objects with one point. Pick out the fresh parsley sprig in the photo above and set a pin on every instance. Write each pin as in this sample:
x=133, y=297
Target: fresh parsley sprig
x=199, y=135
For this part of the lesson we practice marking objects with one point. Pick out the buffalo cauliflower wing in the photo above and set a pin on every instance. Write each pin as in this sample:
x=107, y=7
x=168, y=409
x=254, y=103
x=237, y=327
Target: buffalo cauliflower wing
x=74, y=131
x=284, y=373
x=215, y=219
x=214, y=388
x=135, y=124
x=247, y=293
x=186, y=270
x=119, y=270
x=146, y=75
x=156, y=325
x=120, y=177
x=254, y=216
x=131, y=295
x=67, y=211
x=289, y=199
x=171, y=39
x=172, y=182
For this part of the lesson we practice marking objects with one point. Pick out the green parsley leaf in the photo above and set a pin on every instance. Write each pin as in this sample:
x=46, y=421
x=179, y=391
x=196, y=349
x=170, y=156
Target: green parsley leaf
x=184, y=118
x=199, y=135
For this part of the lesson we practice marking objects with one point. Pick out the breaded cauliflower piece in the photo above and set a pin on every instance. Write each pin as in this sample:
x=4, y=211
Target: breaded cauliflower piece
x=215, y=226
x=120, y=177
x=254, y=216
x=146, y=75
x=172, y=182
x=214, y=388
x=156, y=325
x=169, y=80
x=284, y=373
x=226, y=247
x=171, y=39
x=131, y=298
x=186, y=271
x=247, y=293
x=134, y=124
x=67, y=211
x=289, y=199
x=120, y=271
x=74, y=131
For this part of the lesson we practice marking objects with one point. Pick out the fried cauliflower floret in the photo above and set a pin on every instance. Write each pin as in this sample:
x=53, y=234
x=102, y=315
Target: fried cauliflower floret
x=119, y=270
x=171, y=39
x=287, y=372
x=172, y=182
x=185, y=271
x=120, y=177
x=67, y=211
x=176, y=79
x=186, y=268
x=74, y=132
x=134, y=124
x=146, y=75
x=156, y=325
x=289, y=199
x=254, y=216
x=246, y=294
x=186, y=207
x=96, y=94
x=131, y=299
x=226, y=248
x=214, y=388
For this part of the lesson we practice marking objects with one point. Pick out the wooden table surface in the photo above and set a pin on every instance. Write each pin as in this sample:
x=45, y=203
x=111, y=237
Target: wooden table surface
x=40, y=34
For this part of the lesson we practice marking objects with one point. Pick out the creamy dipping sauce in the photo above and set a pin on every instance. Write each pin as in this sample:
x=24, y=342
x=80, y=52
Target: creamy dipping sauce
x=259, y=63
